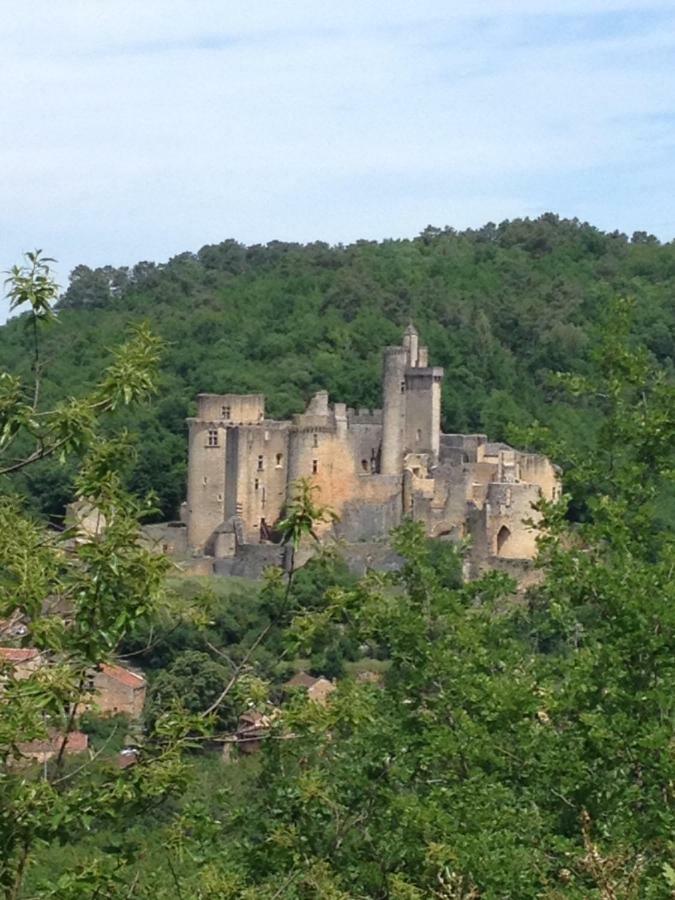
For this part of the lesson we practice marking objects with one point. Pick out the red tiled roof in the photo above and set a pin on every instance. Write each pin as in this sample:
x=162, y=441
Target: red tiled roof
x=302, y=679
x=124, y=676
x=18, y=654
x=77, y=742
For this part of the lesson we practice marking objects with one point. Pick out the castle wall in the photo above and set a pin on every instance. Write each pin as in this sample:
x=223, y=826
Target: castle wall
x=235, y=409
x=499, y=529
x=371, y=508
x=459, y=448
x=257, y=470
x=536, y=469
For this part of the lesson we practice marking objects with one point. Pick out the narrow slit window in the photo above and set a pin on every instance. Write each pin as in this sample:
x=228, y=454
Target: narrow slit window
x=256, y=484
x=315, y=466
x=315, y=441
x=261, y=463
x=280, y=460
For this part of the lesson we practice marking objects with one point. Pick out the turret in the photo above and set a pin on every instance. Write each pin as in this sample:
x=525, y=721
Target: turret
x=411, y=342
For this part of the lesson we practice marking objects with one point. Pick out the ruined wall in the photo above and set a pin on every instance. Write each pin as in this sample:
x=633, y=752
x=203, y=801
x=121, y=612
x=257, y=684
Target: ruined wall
x=499, y=529
x=536, y=469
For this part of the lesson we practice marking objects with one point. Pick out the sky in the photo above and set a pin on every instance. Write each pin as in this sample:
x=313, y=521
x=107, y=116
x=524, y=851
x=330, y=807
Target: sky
x=137, y=129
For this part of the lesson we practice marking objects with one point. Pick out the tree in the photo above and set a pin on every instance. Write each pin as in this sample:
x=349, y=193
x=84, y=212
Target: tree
x=78, y=595
x=512, y=751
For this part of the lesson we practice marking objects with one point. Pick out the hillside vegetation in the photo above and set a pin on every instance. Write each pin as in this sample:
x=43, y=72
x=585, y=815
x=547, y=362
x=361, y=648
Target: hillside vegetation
x=501, y=308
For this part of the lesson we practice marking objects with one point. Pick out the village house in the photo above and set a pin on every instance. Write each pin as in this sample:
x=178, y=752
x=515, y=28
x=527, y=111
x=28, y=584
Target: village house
x=119, y=690
x=318, y=689
x=41, y=751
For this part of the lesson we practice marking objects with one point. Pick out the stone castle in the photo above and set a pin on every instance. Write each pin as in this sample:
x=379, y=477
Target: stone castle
x=372, y=467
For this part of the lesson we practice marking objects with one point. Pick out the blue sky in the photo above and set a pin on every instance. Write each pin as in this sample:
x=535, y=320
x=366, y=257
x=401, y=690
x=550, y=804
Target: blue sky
x=135, y=130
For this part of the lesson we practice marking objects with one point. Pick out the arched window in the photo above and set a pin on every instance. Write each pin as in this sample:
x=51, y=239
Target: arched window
x=364, y=465
x=503, y=536
x=280, y=458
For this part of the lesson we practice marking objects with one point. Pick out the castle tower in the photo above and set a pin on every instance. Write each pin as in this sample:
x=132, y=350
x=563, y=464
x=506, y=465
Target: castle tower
x=412, y=403
x=423, y=409
x=208, y=485
x=393, y=409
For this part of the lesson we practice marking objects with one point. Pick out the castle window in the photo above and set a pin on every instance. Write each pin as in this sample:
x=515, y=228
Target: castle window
x=220, y=497
x=280, y=457
x=256, y=484
x=315, y=466
x=502, y=539
x=364, y=465
x=213, y=437
x=315, y=440
x=226, y=412
x=419, y=434
x=403, y=387
x=264, y=497
x=261, y=463
x=205, y=479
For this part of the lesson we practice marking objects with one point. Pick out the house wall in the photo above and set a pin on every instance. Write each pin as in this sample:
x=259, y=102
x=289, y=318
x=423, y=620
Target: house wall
x=112, y=696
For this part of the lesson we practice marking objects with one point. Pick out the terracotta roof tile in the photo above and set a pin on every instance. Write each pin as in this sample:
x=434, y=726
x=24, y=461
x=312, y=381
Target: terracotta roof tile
x=76, y=743
x=18, y=654
x=124, y=676
x=302, y=679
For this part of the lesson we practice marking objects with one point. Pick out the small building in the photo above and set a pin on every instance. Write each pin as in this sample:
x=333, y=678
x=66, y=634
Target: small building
x=252, y=729
x=41, y=751
x=119, y=690
x=318, y=689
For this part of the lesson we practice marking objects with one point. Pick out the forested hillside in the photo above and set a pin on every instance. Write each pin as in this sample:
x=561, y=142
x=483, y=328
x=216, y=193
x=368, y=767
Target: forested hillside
x=501, y=308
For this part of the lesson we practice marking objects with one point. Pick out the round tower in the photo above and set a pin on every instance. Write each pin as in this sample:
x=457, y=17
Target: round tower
x=393, y=409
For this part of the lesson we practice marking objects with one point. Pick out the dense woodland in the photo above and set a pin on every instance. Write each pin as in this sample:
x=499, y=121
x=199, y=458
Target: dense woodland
x=501, y=308
x=509, y=746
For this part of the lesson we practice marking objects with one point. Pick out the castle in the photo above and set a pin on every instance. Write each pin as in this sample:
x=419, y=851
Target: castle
x=372, y=467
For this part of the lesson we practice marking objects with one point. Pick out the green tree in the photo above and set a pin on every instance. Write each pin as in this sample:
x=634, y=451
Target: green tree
x=513, y=750
x=79, y=595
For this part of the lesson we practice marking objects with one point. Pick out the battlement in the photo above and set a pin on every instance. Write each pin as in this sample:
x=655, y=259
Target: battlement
x=364, y=416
